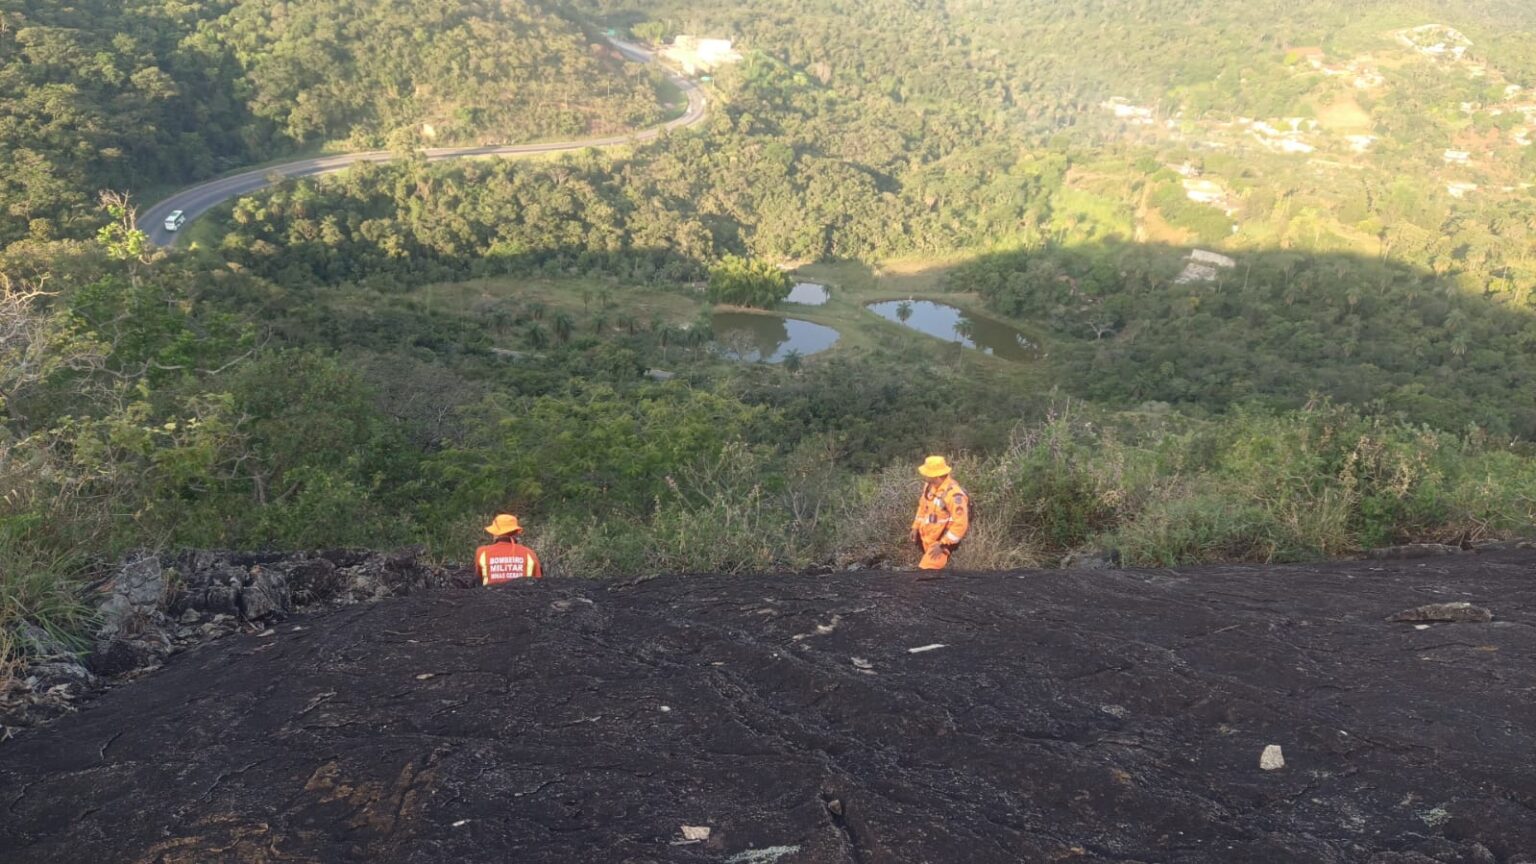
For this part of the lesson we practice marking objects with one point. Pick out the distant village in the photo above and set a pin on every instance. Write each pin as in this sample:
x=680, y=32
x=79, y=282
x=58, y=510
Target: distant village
x=1308, y=137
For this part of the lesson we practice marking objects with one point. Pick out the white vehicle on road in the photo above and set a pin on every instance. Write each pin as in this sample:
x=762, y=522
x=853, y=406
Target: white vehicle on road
x=214, y=192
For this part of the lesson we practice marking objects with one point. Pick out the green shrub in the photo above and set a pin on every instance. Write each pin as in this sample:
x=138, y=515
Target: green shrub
x=47, y=527
x=748, y=282
x=1195, y=529
x=40, y=587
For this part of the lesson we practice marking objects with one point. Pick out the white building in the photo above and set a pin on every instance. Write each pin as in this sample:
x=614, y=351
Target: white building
x=1457, y=157
x=1361, y=143
x=1292, y=145
x=1212, y=258
x=1205, y=192
x=1369, y=79
x=697, y=55
x=1203, y=266
x=1436, y=41
x=1122, y=108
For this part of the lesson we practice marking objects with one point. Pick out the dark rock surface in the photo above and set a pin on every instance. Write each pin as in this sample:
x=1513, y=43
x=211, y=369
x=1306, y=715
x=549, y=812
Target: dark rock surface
x=1448, y=613
x=1069, y=716
x=1413, y=550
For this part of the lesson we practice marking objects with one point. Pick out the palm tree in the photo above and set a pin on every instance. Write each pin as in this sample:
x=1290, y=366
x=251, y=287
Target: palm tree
x=599, y=324
x=536, y=311
x=538, y=340
x=564, y=326
x=794, y=361
x=904, y=311
x=1459, y=344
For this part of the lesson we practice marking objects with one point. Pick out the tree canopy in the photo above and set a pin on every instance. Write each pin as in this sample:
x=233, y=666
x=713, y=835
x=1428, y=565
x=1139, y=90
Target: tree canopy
x=748, y=282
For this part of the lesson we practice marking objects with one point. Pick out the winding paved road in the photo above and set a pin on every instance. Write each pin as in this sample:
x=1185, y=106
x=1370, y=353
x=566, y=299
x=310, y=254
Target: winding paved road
x=203, y=197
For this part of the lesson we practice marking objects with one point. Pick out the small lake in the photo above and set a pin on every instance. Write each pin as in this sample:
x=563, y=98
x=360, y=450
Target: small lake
x=768, y=338
x=943, y=321
x=808, y=294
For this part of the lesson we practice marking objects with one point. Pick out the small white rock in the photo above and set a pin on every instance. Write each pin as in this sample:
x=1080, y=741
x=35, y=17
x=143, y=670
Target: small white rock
x=1421, y=626
x=695, y=832
x=666, y=709
x=1272, y=759
x=922, y=648
x=461, y=823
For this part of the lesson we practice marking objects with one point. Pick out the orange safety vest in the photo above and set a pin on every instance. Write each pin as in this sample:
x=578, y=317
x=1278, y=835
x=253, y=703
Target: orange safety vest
x=943, y=514
x=504, y=562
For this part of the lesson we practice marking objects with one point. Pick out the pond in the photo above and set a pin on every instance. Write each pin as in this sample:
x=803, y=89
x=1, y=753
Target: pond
x=943, y=321
x=768, y=338
x=808, y=294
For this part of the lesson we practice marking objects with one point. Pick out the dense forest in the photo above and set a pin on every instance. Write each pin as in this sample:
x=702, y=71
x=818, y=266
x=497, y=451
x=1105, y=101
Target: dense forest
x=1043, y=63
x=386, y=355
x=135, y=94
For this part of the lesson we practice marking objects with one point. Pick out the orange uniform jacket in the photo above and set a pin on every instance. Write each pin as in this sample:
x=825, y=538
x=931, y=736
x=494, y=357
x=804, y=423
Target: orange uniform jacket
x=943, y=514
x=504, y=562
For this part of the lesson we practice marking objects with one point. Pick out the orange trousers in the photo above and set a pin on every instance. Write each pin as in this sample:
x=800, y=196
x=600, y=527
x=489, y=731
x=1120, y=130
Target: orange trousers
x=935, y=557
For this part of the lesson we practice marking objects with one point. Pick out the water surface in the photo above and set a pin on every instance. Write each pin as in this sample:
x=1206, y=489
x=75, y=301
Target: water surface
x=808, y=294
x=944, y=321
x=768, y=338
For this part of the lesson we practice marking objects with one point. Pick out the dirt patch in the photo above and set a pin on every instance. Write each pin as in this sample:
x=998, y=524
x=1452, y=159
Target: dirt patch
x=1063, y=716
x=1153, y=228
x=1344, y=115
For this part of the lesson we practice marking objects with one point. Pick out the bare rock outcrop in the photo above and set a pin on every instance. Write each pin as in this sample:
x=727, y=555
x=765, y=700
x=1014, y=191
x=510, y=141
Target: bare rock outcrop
x=155, y=606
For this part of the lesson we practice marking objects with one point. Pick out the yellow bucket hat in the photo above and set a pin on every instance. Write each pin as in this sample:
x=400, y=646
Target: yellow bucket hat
x=934, y=466
x=503, y=524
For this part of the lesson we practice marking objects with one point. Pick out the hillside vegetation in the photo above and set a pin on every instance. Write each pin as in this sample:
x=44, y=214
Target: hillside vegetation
x=137, y=94
x=388, y=355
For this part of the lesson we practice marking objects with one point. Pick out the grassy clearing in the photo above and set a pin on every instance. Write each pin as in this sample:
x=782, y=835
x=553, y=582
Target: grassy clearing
x=582, y=298
x=852, y=286
x=1344, y=115
x=1155, y=229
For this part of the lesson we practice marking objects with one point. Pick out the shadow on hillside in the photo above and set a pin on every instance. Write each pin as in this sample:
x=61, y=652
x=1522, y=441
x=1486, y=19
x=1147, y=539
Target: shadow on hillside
x=1136, y=323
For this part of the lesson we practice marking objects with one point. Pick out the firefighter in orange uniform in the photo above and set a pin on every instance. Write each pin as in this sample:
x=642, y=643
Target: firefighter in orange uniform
x=943, y=514
x=506, y=559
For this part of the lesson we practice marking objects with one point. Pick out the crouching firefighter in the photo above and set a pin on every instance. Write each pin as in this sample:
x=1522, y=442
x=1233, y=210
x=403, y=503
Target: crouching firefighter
x=506, y=559
x=943, y=514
